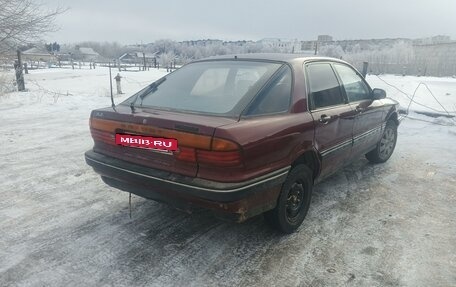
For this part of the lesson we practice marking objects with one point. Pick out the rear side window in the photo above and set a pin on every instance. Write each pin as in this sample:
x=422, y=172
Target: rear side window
x=276, y=97
x=324, y=87
x=354, y=86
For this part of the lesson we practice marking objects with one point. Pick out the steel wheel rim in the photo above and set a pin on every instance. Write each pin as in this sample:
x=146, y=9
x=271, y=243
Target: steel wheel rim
x=387, y=143
x=295, y=200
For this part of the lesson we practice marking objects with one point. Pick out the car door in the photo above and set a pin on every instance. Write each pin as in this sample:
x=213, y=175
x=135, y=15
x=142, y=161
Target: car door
x=367, y=129
x=332, y=115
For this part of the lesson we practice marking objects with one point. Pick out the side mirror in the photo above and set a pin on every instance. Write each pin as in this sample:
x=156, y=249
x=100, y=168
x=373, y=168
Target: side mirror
x=378, y=94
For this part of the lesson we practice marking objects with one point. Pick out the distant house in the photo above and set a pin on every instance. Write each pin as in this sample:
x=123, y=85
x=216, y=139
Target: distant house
x=87, y=54
x=38, y=54
x=138, y=58
x=77, y=53
x=203, y=43
x=324, y=38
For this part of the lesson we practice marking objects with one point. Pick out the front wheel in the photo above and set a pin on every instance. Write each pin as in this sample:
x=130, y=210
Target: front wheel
x=386, y=146
x=293, y=202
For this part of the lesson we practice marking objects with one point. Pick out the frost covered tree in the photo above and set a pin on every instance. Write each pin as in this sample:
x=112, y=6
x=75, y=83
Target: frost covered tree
x=164, y=46
x=167, y=58
x=24, y=21
x=334, y=51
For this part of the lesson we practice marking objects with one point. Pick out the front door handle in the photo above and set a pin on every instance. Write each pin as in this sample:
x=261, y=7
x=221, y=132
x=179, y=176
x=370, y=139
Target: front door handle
x=324, y=119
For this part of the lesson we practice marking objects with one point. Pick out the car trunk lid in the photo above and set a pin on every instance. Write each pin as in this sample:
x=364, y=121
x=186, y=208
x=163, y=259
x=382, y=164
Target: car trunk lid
x=193, y=132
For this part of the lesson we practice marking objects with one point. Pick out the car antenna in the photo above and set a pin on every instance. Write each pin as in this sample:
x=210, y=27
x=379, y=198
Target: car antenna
x=110, y=84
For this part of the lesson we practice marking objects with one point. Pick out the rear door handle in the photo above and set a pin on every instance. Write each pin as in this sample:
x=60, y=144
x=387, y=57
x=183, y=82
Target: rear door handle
x=359, y=109
x=324, y=119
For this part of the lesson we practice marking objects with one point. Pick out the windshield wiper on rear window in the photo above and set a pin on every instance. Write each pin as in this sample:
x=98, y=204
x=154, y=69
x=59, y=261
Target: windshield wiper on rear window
x=147, y=91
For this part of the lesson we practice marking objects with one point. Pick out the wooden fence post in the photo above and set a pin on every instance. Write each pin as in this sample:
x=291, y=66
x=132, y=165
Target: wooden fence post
x=19, y=74
x=365, y=66
x=144, y=60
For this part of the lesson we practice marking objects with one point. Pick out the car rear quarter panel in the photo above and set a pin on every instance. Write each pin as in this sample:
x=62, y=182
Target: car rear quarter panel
x=268, y=143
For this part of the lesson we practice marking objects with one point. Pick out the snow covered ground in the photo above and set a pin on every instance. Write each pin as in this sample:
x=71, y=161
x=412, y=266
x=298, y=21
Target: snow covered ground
x=368, y=225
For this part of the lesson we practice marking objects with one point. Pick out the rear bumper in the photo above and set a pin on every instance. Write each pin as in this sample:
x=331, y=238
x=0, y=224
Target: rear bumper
x=245, y=198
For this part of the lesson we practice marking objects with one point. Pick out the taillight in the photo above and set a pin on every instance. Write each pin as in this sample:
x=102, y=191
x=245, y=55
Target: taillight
x=186, y=154
x=222, y=153
x=223, y=145
x=219, y=158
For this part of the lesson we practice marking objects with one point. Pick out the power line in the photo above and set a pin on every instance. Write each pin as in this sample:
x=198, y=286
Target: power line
x=407, y=95
x=411, y=98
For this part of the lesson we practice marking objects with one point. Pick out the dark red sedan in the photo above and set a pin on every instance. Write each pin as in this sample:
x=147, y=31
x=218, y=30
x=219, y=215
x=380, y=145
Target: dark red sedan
x=243, y=135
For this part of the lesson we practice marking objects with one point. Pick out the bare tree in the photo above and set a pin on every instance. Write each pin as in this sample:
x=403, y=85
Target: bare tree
x=24, y=21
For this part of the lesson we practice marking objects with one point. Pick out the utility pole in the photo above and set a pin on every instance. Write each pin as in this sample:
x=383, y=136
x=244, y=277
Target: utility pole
x=110, y=84
x=71, y=59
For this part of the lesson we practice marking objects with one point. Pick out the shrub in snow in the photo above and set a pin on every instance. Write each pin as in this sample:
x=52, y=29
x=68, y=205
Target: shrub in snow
x=7, y=83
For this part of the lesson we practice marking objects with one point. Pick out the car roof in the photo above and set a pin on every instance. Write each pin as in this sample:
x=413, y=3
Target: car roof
x=281, y=57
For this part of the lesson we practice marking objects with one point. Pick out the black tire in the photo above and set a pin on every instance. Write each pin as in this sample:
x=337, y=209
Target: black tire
x=293, y=202
x=385, y=146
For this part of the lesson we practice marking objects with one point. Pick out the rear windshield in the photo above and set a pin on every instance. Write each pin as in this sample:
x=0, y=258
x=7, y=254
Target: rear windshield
x=216, y=87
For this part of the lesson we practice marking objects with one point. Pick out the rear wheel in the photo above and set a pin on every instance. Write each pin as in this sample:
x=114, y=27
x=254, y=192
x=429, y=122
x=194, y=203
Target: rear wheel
x=293, y=202
x=386, y=146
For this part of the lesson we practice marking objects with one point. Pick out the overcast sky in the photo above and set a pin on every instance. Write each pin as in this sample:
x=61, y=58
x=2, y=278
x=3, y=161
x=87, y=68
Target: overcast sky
x=143, y=21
